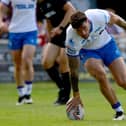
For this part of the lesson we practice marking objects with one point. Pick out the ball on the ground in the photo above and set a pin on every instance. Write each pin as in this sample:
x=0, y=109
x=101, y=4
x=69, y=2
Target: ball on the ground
x=76, y=113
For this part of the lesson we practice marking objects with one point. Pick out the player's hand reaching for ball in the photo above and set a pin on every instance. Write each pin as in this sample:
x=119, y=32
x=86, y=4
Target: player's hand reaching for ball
x=73, y=103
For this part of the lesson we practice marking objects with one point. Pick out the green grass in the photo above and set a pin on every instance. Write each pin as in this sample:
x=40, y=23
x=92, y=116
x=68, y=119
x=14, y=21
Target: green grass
x=43, y=113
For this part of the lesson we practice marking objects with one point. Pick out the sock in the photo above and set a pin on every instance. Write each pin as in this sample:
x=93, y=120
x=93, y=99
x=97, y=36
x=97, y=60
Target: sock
x=55, y=76
x=66, y=83
x=21, y=90
x=117, y=107
x=28, y=87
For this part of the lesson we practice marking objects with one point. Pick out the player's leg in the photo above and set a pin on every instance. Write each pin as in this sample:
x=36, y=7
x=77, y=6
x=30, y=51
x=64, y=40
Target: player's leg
x=110, y=56
x=49, y=56
x=94, y=62
x=50, y=53
x=16, y=51
x=65, y=74
x=28, y=52
x=27, y=64
x=96, y=69
x=117, y=67
x=118, y=70
x=18, y=74
x=115, y=63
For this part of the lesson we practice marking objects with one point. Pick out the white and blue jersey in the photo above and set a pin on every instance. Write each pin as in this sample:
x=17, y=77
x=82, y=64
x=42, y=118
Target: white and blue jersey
x=97, y=40
x=23, y=15
x=23, y=25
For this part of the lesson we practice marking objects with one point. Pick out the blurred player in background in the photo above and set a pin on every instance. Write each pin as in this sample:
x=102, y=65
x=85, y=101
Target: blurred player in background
x=88, y=39
x=22, y=43
x=57, y=13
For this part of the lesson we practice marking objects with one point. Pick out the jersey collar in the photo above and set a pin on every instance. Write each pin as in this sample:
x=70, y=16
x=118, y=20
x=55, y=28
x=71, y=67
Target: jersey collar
x=91, y=26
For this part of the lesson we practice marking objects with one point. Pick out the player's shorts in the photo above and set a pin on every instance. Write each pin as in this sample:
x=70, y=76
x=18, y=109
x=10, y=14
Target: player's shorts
x=107, y=53
x=59, y=40
x=18, y=40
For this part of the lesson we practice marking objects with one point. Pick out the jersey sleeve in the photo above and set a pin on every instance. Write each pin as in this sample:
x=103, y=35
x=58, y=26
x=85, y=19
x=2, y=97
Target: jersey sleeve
x=70, y=43
x=103, y=16
x=100, y=16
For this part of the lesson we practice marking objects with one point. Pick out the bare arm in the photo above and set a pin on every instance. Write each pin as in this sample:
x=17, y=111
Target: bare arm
x=69, y=9
x=116, y=19
x=3, y=11
x=74, y=63
x=3, y=25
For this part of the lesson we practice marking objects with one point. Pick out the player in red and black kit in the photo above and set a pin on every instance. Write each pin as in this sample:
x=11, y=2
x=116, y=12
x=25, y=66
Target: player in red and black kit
x=57, y=13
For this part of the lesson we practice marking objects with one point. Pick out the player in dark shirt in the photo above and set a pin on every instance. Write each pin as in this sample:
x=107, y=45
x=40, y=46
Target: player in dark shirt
x=57, y=14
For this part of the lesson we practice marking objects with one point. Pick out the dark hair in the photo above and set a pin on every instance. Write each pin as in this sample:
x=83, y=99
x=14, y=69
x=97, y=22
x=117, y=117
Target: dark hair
x=77, y=19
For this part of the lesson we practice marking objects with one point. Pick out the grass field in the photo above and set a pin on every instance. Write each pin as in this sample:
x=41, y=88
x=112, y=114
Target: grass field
x=43, y=113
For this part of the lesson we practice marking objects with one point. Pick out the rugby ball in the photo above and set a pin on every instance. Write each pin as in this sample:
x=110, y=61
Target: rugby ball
x=76, y=113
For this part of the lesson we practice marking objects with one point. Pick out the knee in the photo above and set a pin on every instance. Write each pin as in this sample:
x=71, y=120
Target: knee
x=46, y=64
x=18, y=67
x=64, y=68
x=27, y=61
x=100, y=75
